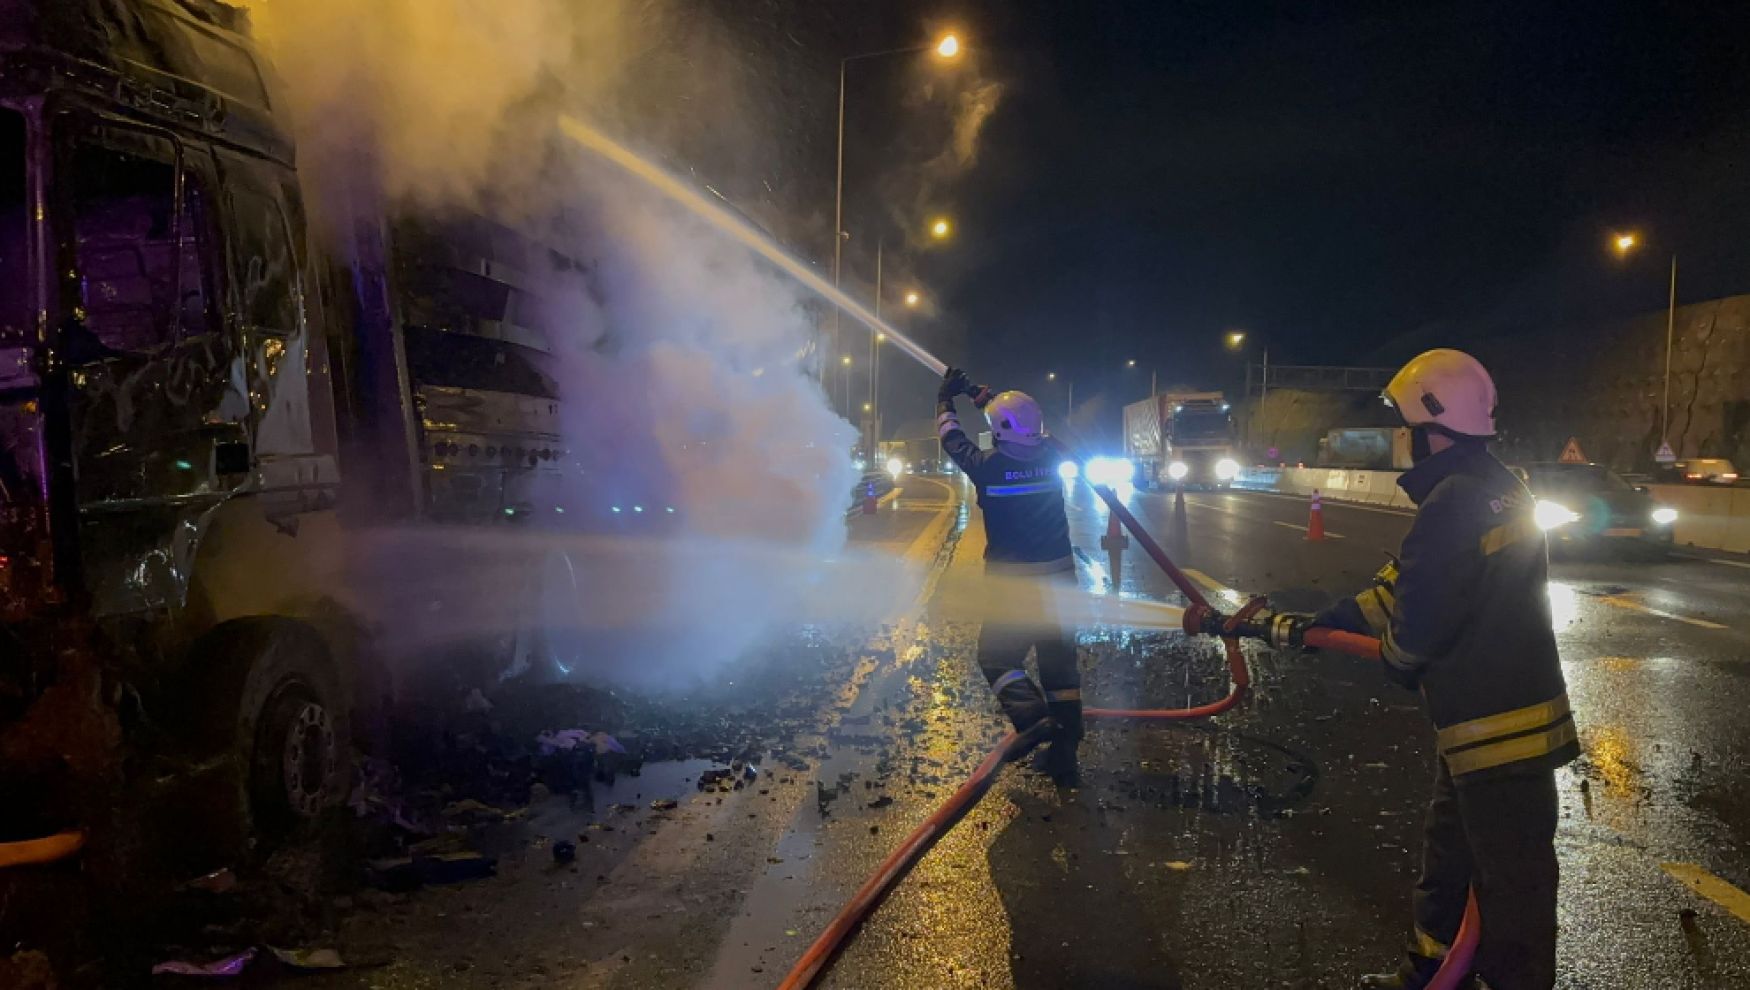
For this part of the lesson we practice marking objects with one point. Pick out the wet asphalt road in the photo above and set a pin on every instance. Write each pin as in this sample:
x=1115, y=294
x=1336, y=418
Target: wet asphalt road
x=1271, y=847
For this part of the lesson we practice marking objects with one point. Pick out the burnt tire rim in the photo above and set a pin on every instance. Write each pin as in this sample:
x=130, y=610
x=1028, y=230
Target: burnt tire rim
x=307, y=758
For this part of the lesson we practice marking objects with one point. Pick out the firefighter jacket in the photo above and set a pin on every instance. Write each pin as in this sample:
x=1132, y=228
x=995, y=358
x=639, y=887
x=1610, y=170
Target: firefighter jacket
x=1464, y=613
x=1020, y=495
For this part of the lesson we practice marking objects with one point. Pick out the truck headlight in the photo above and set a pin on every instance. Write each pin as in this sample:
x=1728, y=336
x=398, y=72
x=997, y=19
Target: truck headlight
x=1177, y=470
x=1068, y=470
x=1553, y=515
x=1664, y=515
x=1226, y=469
x=895, y=467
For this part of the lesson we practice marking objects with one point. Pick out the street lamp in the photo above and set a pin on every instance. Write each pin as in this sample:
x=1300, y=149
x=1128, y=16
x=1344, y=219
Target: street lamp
x=1069, y=402
x=940, y=228
x=947, y=48
x=1624, y=242
x=1236, y=342
x=912, y=299
x=1153, y=377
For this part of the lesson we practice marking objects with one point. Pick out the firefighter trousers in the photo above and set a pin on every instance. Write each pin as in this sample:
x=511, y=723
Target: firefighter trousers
x=1027, y=619
x=1496, y=835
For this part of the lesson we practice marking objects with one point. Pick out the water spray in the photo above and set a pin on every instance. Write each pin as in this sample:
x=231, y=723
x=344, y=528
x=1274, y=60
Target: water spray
x=725, y=220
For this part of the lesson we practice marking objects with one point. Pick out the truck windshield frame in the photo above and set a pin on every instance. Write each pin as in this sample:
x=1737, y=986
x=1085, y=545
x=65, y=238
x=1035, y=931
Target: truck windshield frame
x=1201, y=424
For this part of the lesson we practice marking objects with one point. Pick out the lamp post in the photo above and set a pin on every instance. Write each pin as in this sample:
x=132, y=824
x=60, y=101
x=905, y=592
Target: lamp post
x=1236, y=341
x=946, y=47
x=1624, y=243
x=1069, y=404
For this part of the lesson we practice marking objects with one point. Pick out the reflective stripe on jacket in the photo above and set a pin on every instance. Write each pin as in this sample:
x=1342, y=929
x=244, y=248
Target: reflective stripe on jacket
x=1020, y=496
x=1464, y=613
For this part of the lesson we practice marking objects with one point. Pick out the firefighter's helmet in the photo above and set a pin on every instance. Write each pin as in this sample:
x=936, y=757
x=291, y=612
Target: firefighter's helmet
x=1446, y=388
x=1015, y=418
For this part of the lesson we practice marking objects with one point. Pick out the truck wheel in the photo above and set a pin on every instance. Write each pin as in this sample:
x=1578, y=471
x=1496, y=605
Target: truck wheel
x=273, y=698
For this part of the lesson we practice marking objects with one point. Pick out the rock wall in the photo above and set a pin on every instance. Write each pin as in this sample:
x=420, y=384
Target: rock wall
x=1603, y=384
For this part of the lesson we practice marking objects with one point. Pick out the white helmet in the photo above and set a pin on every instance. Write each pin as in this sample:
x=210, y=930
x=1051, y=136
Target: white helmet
x=1015, y=418
x=1447, y=388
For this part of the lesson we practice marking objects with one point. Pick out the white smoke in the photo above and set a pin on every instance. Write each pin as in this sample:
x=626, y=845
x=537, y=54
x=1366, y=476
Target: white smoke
x=682, y=386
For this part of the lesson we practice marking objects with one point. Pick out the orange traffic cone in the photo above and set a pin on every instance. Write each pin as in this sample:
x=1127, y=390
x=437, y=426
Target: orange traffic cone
x=1315, y=519
x=870, y=502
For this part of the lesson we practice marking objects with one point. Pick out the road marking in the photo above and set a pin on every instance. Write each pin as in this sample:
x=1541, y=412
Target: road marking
x=1632, y=605
x=1735, y=901
x=1214, y=586
x=1334, y=536
x=1728, y=563
x=1333, y=501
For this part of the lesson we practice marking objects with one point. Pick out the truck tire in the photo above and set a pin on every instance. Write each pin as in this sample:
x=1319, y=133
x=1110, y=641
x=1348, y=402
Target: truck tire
x=275, y=700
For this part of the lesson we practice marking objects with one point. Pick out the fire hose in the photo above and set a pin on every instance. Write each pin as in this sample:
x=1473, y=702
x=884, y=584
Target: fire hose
x=1200, y=618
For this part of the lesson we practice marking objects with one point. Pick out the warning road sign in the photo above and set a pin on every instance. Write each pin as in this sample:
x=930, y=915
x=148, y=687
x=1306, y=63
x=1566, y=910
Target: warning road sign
x=1571, y=453
x=1665, y=454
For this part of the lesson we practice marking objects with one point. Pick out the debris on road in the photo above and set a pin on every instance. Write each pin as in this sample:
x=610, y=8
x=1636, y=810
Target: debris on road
x=224, y=968
x=309, y=959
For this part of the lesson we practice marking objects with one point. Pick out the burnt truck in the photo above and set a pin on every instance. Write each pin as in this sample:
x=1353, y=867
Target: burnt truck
x=1376, y=448
x=202, y=401
x=1181, y=437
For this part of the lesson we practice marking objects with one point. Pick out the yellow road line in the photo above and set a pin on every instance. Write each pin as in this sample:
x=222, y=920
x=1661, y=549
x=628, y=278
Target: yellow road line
x=1735, y=901
x=1629, y=603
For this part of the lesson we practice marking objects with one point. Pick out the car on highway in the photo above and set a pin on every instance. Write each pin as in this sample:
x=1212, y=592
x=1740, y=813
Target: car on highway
x=1703, y=471
x=1589, y=506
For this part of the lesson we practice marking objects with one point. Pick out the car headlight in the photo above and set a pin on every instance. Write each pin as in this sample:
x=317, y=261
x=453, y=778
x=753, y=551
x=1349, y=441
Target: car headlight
x=1553, y=515
x=1664, y=515
x=1068, y=471
x=1177, y=470
x=1226, y=468
x=895, y=466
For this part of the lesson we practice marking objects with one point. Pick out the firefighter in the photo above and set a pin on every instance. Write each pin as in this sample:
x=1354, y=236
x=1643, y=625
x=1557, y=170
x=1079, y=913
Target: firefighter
x=1463, y=615
x=1027, y=547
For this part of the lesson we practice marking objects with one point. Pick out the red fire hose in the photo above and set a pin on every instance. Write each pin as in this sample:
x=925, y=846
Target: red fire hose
x=1199, y=618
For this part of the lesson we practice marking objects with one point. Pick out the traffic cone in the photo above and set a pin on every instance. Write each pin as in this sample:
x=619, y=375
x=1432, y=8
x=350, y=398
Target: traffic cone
x=1114, y=543
x=1315, y=518
x=870, y=502
x=1179, y=531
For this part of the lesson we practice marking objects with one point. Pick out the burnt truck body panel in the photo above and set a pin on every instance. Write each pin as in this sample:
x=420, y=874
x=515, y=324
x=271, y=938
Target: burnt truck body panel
x=198, y=403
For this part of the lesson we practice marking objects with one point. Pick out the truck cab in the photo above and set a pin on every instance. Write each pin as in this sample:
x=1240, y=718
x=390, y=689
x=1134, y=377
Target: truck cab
x=202, y=401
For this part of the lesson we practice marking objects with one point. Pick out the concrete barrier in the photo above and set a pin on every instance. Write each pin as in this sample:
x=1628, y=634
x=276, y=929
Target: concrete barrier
x=1708, y=518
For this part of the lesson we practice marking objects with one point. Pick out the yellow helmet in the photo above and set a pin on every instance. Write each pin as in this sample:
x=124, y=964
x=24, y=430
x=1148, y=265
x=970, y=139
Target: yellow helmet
x=1447, y=388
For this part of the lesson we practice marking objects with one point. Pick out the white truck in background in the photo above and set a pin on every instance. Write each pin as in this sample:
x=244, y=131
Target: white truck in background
x=1183, y=438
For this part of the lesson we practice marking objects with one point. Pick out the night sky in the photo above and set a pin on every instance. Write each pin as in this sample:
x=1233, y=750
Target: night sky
x=1344, y=181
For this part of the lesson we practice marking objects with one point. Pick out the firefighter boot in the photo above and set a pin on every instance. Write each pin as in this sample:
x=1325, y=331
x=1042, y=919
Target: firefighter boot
x=1058, y=760
x=1021, y=699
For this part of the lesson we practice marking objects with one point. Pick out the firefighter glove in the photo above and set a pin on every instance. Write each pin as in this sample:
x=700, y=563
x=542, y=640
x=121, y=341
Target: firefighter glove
x=954, y=382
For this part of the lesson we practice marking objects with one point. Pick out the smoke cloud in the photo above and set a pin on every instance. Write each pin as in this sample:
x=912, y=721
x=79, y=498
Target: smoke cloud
x=682, y=387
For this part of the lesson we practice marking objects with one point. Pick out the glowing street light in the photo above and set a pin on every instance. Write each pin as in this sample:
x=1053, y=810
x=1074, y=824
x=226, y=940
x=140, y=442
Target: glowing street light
x=1624, y=242
x=912, y=298
x=1051, y=376
x=1130, y=363
x=867, y=407
x=1236, y=339
x=948, y=47
x=846, y=360
x=940, y=228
